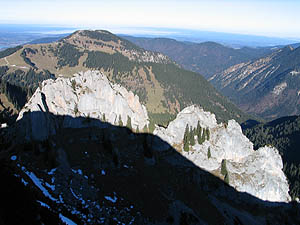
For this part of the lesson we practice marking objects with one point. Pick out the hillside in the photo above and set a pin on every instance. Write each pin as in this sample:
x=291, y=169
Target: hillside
x=268, y=87
x=206, y=58
x=284, y=134
x=161, y=85
x=77, y=154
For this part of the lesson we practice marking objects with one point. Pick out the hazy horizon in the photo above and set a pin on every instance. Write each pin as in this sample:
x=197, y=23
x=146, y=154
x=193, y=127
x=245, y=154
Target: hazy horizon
x=270, y=18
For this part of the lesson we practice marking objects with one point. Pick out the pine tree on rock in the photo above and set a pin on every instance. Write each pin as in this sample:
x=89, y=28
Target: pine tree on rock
x=186, y=139
x=120, y=121
x=207, y=134
x=192, y=137
x=226, y=179
x=208, y=153
x=223, y=167
x=128, y=124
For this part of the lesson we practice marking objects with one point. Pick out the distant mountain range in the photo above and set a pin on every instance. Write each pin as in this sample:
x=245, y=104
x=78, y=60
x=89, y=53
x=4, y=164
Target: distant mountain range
x=206, y=58
x=161, y=84
x=196, y=36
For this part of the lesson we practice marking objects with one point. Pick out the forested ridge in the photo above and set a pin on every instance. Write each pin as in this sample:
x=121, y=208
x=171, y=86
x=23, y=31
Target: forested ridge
x=19, y=85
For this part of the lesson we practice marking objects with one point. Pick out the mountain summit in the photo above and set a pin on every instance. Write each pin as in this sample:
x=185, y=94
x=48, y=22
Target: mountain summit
x=162, y=86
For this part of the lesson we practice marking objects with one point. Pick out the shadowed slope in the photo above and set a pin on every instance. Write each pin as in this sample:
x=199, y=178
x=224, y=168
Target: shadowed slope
x=105, y=173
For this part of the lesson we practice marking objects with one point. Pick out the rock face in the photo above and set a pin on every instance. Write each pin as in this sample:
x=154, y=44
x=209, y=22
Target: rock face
x=256, y=172
x=86, y=95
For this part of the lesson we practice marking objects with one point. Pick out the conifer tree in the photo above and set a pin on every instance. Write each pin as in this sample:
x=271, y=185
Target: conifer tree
x=208, y=153
x=199, y=133
x=128, y=124
x=185, y=139
x=207, y=133
x=226, y=178
x=223, y=167
x=192, y=136
x=120, y=121
x=137, y=129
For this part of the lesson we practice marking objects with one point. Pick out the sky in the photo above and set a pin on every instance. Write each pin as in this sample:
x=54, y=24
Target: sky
x=277, y=18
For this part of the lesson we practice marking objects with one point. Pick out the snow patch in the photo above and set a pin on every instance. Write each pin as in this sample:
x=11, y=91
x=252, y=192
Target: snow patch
x=103, y=172
x=51, y=172
x=66, y=220
x=38, y=183
x=44, y=204
x=24, y=182
x=52, y=187
x=13, y=158
x=113, y=200
x=79, y=171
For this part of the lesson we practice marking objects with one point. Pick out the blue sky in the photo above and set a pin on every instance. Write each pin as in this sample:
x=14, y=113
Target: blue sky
x=261, y=17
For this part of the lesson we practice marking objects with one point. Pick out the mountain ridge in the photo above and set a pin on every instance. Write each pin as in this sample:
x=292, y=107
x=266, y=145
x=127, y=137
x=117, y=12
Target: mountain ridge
x=267, y=87
x=206, y=58
x=161, y=84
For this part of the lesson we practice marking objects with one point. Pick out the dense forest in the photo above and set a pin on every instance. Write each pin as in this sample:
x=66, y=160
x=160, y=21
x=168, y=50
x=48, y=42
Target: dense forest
x=284, y=134
x=18, y=86
x=189, y=87
x=9, y=51
x=116, y=61
x=67, y=54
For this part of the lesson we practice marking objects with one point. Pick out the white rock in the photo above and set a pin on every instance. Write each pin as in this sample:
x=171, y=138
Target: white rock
x=190, y=115
x=258, y=173
x=92, y=96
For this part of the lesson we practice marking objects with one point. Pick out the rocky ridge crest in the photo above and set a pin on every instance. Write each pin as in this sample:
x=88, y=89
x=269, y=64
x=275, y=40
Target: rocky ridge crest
x=256, y=172
x=87, y=95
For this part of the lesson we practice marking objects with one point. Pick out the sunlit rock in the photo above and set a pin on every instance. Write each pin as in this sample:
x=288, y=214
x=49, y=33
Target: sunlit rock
x=256, y=172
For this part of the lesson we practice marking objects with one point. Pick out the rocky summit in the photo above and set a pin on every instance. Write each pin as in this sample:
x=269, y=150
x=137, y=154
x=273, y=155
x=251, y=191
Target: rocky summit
x=256, y=172
x=88, y=95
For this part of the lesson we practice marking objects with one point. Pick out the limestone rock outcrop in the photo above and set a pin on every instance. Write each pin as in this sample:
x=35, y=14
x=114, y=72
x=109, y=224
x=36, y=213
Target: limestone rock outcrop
x=85, y=96
x=256, y=172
